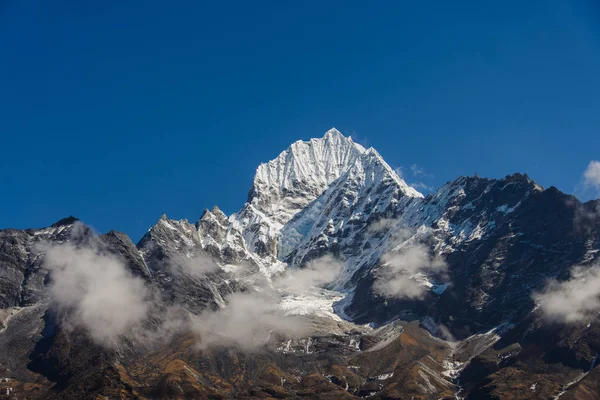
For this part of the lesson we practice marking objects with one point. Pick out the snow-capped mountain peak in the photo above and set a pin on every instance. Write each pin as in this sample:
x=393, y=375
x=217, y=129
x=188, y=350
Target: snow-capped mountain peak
x=285, y=185
x=332, y=179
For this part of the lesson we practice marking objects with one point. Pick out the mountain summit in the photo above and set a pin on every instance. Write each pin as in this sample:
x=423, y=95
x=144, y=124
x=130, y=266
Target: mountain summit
x=300, y=174
x=301, y=179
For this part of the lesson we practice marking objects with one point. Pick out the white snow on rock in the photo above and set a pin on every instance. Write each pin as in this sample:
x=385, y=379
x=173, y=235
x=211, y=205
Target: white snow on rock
x=383, y=377
x=285, y=185
x=315, y=301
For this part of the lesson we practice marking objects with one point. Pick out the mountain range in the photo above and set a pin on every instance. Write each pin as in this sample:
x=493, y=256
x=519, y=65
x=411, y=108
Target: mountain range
x=335, y=280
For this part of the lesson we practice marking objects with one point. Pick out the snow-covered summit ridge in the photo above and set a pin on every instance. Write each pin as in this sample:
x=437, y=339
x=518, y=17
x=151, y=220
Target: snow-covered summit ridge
x=300, y=174
x=287, y=184
x=309, y=184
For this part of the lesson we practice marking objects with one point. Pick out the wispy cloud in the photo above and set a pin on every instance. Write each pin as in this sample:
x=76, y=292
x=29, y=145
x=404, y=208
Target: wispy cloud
x=251, y=318
x=198, y=265
x=96, y=292
x=248, y=321
x=382, y=226
x=419, y=171
x=404, y=272
x=399, y=171
x=319, y=272
x=416, y=177
x=591, y=176
x=422, y=186
x=574, y=300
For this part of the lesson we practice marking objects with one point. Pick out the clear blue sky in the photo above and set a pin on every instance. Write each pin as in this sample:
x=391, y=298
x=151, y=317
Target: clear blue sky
x=116, y=113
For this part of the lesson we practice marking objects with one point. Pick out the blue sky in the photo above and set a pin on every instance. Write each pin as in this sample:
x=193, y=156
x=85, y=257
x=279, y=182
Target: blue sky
x=116, y=113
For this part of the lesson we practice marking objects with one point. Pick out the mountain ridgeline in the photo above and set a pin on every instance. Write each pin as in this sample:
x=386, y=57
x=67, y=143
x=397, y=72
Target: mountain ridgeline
x=336, y=280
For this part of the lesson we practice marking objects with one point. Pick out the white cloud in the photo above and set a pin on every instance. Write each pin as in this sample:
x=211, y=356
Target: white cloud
x=197, y=266
x=574, y=300
x=319, y=272
x=400, y=172
x=591, y=176
x=95, y=291
x=251, y=318
x=382, y=226
x=404, y=273
x=248, y=321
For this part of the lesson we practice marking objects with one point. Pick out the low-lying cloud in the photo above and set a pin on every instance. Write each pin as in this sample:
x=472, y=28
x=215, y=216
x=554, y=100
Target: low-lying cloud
x=404, y=273
x=197, y=266
x=250, y=319
x=319, y=272
x=96, y=291
x=574, y=300
x=382, y=226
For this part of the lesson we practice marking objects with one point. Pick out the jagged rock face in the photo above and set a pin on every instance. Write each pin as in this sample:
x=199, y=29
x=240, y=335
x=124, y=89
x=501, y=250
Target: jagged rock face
x=222, y=239
x=22, y=280
x=24, y=329
x=169, y=238
x=172, y=251
x=121, y=246
x=13, y=266
x=535, y=359
x=212, y=228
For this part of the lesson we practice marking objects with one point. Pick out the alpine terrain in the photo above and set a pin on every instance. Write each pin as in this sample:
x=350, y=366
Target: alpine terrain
x=336, y=280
